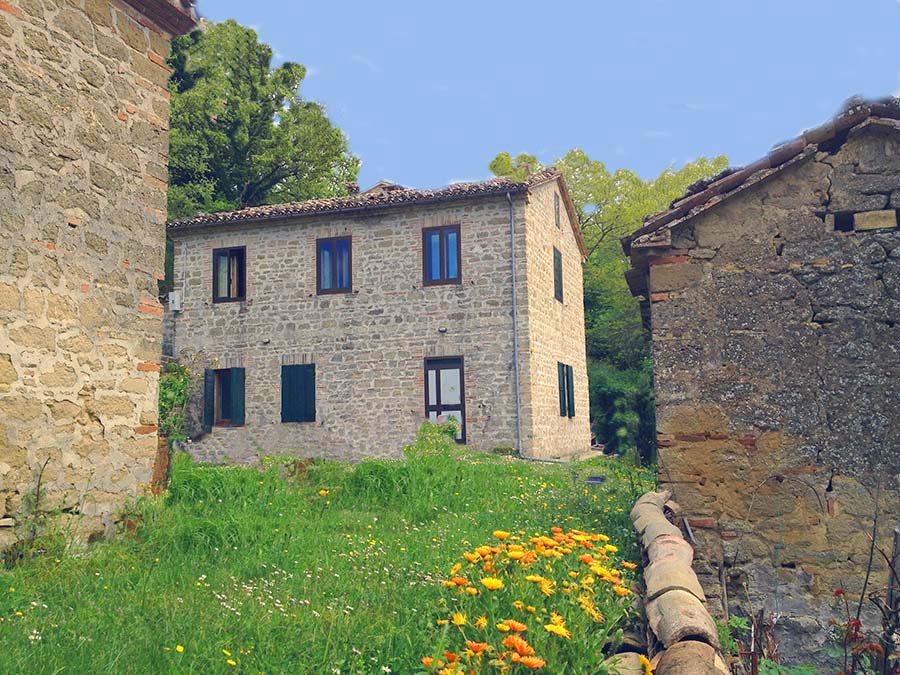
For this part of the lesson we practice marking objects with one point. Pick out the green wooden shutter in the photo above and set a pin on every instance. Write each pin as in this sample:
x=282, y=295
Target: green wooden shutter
x=563, y=400
x=238, y=379
x=309, y=393
x=298, y=393
x=557, y=275
x=209, y=399
x=570, y=390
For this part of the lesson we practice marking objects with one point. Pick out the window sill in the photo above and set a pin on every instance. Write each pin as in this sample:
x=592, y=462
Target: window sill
x=452, y=282
x=219, y=301
x=340, y=291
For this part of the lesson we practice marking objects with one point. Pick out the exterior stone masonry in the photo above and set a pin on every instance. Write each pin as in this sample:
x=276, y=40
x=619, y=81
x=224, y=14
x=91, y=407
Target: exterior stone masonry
x=369, y=346
x=83, y=154
x=776, y=337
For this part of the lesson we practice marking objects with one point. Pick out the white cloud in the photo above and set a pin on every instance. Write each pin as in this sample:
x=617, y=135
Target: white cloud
x=368, y=63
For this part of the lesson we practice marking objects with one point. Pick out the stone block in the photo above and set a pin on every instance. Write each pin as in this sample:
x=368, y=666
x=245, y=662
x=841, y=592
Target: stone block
x=675, y=276
x=678, y=614
x=875, y=220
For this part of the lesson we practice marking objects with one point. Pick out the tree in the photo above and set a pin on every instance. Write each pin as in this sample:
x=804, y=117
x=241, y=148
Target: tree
x=241, y=135
x=610, y=206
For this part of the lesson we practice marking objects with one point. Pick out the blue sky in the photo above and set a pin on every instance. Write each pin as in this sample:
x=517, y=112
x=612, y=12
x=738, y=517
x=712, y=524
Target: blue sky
x=429, y=92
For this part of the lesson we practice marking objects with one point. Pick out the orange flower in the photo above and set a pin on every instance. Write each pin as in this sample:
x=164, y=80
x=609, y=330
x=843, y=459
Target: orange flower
x=517, y=626
x=501, y=534
x=476, y=647
x=629, y=565
x=427, y=661
x=532, y=662
x=460, y=581
x=586, y=558
x=621, y=591
x=521, y=647
x=451, y=657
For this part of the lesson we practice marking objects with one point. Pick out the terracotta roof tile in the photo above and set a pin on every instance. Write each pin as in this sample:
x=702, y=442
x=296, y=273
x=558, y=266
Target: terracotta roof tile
x=365, y=201
x=705, y=194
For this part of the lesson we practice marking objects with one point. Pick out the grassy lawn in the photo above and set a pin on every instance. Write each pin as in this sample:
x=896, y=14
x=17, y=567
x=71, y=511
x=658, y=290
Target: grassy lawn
x=343, y=568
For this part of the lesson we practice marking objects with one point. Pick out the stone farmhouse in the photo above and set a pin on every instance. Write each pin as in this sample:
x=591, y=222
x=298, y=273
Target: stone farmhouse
x=83, y=154
x=773, y=296
x=336, y=326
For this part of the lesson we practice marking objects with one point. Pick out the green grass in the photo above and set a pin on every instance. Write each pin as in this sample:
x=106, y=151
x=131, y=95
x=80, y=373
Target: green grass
x=285, y=579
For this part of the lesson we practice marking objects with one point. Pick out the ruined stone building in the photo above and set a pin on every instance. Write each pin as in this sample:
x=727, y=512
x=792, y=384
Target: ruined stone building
x=83, y=154
x=773, y=297
x=336, y=326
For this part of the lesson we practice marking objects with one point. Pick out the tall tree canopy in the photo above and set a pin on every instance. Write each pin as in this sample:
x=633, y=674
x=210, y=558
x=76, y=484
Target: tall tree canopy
x=241, y=135
x=609, y=206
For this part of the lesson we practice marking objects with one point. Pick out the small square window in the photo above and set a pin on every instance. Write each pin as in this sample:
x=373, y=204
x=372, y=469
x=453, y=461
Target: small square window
x=229, y=274
x=334, y=265
x=441, y=253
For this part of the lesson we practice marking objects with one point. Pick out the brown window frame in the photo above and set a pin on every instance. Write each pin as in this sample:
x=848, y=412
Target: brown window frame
x=435, y=363
x=332, y=291
x=242, y=282
x=441, y=230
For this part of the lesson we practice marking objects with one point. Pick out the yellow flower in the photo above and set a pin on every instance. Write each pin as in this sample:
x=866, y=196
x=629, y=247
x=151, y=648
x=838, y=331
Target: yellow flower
x=471, y=590
x=611, y=549
x=459, y=619
x=179, y=648
x=481, y=622
x=502, y=627
x=501, y=534
x=621, y=591
x=226, y=652
x=518, y=604
x=516, y=554
x=456, y=568
x=558, y=630
x=646, y=663
x=548, y=587
x=323, y=493
x=535, y=579
x=531, y=608
x=231, y=662
x=492, y=583
x=629, y=565
x=556, y=619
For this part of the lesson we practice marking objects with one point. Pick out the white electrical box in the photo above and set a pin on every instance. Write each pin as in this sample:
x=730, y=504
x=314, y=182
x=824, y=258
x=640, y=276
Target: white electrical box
x=175, y=301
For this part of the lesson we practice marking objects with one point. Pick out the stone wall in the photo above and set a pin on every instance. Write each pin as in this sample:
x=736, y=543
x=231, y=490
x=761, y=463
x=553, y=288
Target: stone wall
x=369, y=346
x=777, y=355
x=555, y=329
x=83, y=153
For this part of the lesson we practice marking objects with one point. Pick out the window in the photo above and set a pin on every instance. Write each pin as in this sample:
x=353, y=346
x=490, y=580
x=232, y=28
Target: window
x=566, y=390
x=334, y=265
x=556, y=207
x=223, y=397
x=445, y=392
x=298, y=393
x=557, y=275
x=441, y=252
x=229, y=274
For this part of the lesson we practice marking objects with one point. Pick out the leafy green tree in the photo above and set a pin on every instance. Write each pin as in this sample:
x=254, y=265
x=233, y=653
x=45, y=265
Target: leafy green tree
x=609, y=206
x=241, y=135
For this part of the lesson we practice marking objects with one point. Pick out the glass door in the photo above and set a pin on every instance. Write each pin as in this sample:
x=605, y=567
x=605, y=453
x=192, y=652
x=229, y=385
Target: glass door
x=445, y=392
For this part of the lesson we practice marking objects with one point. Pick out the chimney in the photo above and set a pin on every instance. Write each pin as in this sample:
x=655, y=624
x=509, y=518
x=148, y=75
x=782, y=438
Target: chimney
x=352, y=187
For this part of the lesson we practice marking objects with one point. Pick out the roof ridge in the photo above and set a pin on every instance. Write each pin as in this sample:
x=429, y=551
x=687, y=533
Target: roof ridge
x=366, y=200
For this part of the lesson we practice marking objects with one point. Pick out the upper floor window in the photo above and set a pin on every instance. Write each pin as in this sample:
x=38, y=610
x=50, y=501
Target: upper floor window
x=334, y=265
x=557, y=275
x=556, y=207
x=229, y=274
x=441, y=252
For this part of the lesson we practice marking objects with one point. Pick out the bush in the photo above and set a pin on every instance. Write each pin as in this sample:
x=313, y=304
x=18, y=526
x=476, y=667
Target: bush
x=174, y=394
x=622, y=407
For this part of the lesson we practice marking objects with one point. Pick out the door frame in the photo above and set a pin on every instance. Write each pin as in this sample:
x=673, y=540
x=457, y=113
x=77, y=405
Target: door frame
x=438, y=363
